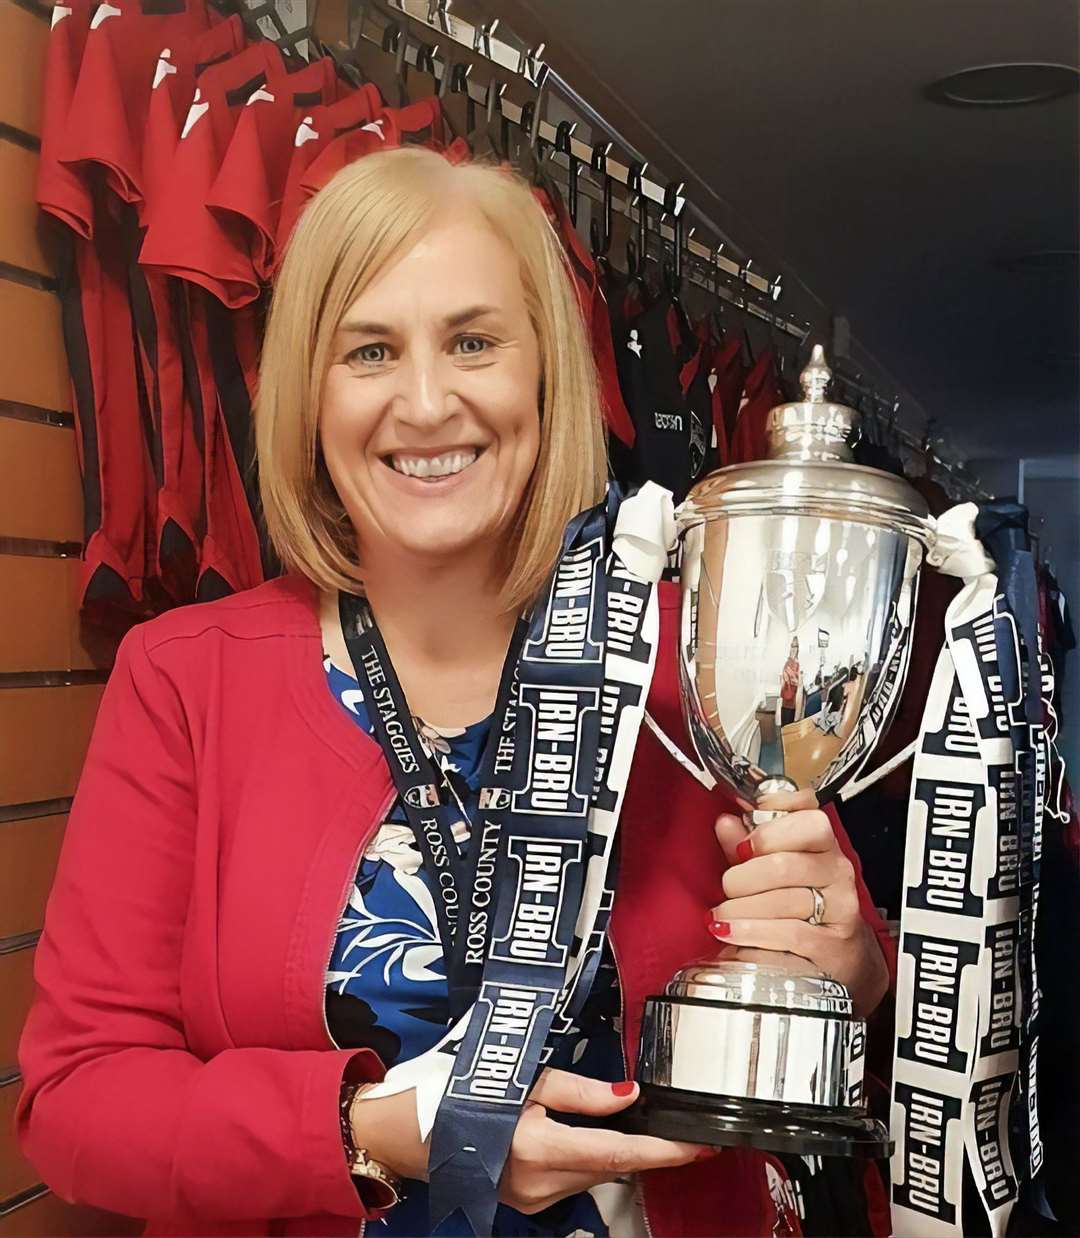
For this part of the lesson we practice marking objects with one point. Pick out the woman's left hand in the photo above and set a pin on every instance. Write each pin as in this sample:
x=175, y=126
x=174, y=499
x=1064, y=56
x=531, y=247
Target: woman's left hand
x=773, y=871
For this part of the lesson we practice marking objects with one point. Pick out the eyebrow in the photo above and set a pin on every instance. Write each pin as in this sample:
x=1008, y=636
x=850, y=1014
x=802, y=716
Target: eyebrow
x=459, y=318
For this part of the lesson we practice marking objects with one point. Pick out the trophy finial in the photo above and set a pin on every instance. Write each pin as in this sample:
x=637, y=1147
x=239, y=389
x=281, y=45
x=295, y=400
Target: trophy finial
x=816, y=377
x=815, y=428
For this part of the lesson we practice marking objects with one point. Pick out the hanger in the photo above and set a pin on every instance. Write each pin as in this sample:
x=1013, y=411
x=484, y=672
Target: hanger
x=715, y=315
x=427, y=62
x=490, y=135
x=563, y=133
x=600, y=232
x=672, y=269
x=637, y=253
x=394, y=43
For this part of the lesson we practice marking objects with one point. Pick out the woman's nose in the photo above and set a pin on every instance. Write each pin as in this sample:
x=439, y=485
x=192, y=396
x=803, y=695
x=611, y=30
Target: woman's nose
x=425, y=398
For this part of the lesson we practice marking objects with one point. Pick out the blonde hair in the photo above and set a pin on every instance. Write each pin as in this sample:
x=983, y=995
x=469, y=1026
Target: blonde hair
x=369, y=215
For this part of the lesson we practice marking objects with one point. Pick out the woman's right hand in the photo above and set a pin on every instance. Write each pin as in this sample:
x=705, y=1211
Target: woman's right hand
x=548, y=1160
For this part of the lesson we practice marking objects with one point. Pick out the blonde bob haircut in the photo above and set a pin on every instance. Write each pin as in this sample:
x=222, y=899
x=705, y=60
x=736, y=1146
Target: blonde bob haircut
x=371, y=214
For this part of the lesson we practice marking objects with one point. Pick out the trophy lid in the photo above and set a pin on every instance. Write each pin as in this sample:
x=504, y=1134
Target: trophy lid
x=810, y=470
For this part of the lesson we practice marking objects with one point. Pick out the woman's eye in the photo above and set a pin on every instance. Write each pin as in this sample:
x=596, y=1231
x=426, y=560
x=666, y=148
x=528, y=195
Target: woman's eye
x=368, y=354
x=472, y=345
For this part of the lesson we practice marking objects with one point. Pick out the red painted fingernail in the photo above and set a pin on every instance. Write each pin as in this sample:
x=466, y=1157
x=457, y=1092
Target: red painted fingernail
x=744, y=851
x=706, y=1154
x=623, y=1088
x=720, y=929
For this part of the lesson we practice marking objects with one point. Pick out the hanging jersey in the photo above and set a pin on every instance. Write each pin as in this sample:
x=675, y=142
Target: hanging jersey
x=251, y=177
x=726, y=377
x=107, y=115
x=98, y=139
x=317, y=128
x=187, y=240
x=60, y=190
x=175, y=78
x=670, y=441
x=761, y=394
x=184, y=237
x=159, y=304
x=594, y=310
x=419, y=124
x=693, y=381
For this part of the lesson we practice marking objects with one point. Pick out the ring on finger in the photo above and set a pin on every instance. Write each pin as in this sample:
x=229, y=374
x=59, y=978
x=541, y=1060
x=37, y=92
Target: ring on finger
x=817, y=916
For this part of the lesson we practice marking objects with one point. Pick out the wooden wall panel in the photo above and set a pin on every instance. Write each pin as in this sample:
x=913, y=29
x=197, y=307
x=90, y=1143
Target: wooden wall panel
x=43, y=738
x=17, y=986
x=16, y=1173
x=50, y=1217
x=40, y=631
x=29, y=850
x=20, y=227
x=33, y=364
x=23, y=37
x=40, y=491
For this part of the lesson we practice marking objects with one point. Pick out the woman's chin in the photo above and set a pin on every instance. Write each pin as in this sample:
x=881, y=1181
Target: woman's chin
x=443, y=540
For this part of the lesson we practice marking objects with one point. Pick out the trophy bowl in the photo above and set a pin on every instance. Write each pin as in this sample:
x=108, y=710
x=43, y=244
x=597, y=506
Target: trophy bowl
x=799, y=579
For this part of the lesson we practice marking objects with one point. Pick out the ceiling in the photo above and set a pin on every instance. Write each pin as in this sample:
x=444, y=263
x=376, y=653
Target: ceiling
x=802, y=132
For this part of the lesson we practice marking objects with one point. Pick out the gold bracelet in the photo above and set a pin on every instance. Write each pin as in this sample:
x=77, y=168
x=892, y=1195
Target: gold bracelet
x=383, y=1188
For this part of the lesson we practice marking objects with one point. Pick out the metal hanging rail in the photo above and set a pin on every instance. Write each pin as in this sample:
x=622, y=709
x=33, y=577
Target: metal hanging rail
x=566, y=151
x=528, y=65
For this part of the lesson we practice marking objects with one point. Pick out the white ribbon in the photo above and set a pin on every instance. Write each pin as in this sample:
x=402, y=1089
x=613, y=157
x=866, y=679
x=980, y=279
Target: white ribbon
x=645, y=531
x=955, y=550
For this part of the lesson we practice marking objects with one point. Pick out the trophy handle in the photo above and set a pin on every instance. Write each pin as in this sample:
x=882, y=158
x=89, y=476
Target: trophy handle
x=769, y=786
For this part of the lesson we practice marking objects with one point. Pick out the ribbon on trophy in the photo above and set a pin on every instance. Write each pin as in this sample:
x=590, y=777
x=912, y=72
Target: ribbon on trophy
x=523, y=908
x=967, y=994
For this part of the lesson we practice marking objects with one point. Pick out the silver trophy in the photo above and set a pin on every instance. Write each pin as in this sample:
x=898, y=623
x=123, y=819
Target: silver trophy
x=799, y=578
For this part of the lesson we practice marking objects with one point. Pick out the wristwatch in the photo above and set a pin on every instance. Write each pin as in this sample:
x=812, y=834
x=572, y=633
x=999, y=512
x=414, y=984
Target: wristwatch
x=376, y=1185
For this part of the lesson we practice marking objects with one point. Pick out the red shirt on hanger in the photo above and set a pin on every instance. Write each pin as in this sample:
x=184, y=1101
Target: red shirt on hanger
x=251, y=179
x=171, y=375
x=94, y=128
x=184, y=237
x=187, y=240
x=760, y=395
x=726, y=377
x=105, y=124
x=419, y=124
x=594, y=310
x=176, y=75
x=60, y=190
x=317, y=128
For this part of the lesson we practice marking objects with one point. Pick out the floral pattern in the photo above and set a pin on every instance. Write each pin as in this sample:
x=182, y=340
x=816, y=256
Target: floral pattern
x=386, y=986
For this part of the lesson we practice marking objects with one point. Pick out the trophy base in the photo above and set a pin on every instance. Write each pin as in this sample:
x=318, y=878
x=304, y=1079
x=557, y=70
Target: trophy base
x=770, y=1126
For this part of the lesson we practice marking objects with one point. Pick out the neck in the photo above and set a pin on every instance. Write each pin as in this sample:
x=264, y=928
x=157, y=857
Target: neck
x=439, y=613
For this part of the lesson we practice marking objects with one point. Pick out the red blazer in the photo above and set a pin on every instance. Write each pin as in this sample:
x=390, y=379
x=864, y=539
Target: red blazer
x=221, y=814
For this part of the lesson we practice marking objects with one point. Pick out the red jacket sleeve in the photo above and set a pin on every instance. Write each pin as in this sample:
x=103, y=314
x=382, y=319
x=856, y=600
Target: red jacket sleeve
x=117, y=1111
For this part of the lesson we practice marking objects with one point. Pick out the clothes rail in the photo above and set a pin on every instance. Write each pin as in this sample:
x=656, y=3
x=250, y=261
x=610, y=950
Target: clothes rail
x=566, y=152
x=528, y=65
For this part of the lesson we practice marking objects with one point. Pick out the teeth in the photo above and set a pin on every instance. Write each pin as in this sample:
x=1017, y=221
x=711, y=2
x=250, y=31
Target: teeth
x=434, y=466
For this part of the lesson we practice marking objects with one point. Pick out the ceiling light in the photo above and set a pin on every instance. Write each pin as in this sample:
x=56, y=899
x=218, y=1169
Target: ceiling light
x=1005, y=85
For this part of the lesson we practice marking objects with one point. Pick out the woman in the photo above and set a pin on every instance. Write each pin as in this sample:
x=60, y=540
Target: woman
x=790, y=685
x=427, y=425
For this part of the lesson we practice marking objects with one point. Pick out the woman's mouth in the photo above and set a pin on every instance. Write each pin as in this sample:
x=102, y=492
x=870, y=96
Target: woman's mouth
x=433, y=468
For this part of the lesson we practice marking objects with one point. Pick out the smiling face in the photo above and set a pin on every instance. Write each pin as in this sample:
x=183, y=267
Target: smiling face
x=430, y=423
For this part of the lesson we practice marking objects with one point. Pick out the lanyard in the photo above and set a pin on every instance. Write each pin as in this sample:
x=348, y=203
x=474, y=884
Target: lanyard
x=431, y=803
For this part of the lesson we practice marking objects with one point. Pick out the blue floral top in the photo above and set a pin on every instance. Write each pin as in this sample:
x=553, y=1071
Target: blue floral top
x=386, y=988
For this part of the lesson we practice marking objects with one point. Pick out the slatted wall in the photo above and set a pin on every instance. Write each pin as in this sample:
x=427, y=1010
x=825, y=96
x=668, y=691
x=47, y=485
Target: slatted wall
x=49, y=687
